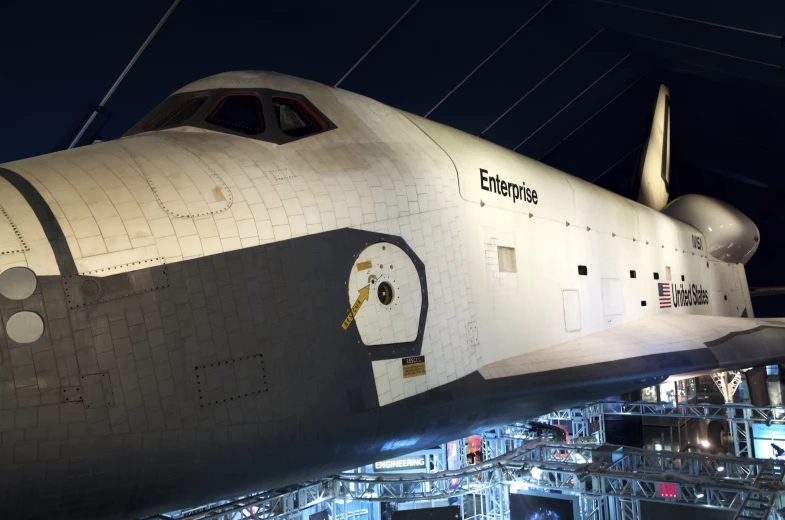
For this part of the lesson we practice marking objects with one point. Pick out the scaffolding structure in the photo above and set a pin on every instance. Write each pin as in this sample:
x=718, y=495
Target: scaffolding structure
x=741, y=417
x=609, y=482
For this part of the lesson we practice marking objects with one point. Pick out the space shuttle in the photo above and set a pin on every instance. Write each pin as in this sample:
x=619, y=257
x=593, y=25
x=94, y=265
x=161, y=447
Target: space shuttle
x=268, y=280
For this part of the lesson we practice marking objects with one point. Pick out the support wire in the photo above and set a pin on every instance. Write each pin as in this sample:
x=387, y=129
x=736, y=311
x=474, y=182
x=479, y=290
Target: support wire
x=123, y=74
x=377, y=43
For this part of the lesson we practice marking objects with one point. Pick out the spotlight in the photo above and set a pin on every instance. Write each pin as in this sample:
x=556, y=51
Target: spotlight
x=699, y=492
x=657, y=447
x=720, y=468
x=536, y=473
x=705, y=443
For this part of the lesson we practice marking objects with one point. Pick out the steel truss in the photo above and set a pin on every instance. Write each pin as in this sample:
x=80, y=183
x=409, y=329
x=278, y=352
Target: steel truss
x=610, y=482
x=740, y=416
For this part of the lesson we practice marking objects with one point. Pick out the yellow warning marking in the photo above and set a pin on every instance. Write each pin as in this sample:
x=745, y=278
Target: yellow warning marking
x=414, y=370
x=356, y=307
x=362, y=266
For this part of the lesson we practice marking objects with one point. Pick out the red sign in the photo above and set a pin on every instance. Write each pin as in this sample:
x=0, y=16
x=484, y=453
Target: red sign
x=668, y=490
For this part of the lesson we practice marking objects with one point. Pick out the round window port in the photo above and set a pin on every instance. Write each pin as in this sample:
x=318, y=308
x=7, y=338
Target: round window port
x=89, y=288
x=385, y=293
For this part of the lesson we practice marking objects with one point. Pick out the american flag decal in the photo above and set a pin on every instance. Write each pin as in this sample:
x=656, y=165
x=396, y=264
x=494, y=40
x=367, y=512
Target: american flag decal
x=665, y=295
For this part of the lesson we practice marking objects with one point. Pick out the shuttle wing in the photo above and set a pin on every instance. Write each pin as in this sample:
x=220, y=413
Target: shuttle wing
x=656, y=347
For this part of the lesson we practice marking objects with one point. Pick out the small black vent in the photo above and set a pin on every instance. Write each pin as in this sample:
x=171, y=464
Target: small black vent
x=643, y=303
x=582, y=270
x=633, y=274
x=656, y=276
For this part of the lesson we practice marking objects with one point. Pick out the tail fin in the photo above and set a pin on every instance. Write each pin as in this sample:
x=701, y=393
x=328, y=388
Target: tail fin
x=655, y=158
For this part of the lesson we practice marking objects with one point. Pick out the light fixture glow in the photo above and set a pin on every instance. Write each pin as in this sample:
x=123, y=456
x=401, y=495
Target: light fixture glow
x=705, y=443
x=536, y=473
x=657, y=447
x=720, y=468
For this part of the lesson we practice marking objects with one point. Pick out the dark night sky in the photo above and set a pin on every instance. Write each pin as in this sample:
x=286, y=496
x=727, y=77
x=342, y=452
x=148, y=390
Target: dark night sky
x=58, y=59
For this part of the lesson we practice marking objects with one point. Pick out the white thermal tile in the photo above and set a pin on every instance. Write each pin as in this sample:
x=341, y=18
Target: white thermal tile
x=143, y=241
x=161, y=227
x=103, y=209
x=278, y=216
x=264, y=229
x=168, y=247
x=117, y=243
x=292, y=207
x=282, y=232
x=285, y=191
x=85, y=227
x=112, y=227
x=206, y=227
x=312, y=215
x=230, y=244
x=241, y=211
x=246, y=228
x=298, y=226
x=211, y=246
x=153, y=210
x=227, y=228
x=190, y=245
x=259, y=211
x=184, y=227
x=129, y=210
x=92, y=246
x=137, y=227
x=271, y=199
x=76, y=211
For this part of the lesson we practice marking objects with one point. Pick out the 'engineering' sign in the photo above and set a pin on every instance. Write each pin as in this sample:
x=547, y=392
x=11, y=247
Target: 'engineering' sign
x=405, y=463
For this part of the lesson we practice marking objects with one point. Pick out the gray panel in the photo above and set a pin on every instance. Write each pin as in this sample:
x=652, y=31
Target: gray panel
x=17, y=283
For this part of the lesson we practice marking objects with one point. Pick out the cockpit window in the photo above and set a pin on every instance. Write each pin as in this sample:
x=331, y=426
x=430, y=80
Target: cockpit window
x=268, y=115
x=241, y=113
x=180, y=113
x=295, y=118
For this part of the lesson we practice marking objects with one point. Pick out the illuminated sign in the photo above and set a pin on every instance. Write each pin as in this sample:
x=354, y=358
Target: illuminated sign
x=773, y=431
x=405, y=463
x=668, y=490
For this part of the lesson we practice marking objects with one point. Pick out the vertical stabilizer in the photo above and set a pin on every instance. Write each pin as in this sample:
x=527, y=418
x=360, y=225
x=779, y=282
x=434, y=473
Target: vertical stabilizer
x=655, y=158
